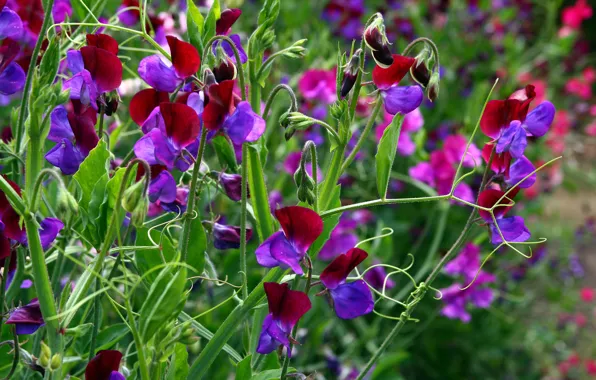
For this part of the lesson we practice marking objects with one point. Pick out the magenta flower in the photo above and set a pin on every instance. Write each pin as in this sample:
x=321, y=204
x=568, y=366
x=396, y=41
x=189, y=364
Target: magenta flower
x=500, y=113
x=342, y=238
x=301, y=226
x=350, y=300
x=413, y=122
x=27, y=319
x=317, y=85
x=228, y=237
x=466, y=263
x=513, y=228
x=376, y=276
x=104, y=366
x=74, y=132
x=454, y=148
x=286, y=307
x=457, y=301
x=161, y=76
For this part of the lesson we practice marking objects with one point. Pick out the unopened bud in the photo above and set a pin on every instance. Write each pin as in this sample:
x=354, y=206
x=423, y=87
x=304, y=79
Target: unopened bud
x=306, y=195
x=133, y=196
x=209, y=78
x=376, y=39
x=290, y=131
x=350, y=74
x=432, y=91
x=112, y=100
x=224, y=68
x=46, y=354
x=137, y=217
x=420, y=73
x=56, y=362
x=67, y=202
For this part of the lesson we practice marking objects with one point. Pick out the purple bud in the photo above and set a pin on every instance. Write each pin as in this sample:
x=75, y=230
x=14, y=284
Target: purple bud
x=350, y=74
x=232, y=185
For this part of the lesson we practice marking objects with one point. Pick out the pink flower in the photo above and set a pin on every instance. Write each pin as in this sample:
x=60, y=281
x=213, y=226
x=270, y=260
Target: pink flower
x=587, y=294
x=591, y=129
x=455, y=146
x=580, y=319
x=591, y=367
x=413, y=121
x=574, y=15
x=579, y=87
x=318, y=85
x=589, y=74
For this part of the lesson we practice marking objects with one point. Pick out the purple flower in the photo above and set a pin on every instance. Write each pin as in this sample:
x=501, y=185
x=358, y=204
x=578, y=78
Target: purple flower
x=402, y=99
x=466, y=263
x=286, y=307
x=162, y=188
x=11, y=25
x=60, y=10
x=228, y=237
x=341, y=239
x=512, y=228
x=228, y=49
x=413, y=121
x=376, y=276
x=350, y=300
x=318, y=86
x=12, y=76
x=27, y=319
x=457, y=301
x=232, y=185
x=275, y=199
x=514, y=138
x=454, y=148
x=301, y=226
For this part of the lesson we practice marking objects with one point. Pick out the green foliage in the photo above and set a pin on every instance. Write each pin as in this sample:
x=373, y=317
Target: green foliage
x=386, y=154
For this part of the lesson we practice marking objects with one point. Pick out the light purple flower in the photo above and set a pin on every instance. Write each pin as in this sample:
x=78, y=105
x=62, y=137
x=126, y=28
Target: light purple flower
x=402, y=99
x=457, y=301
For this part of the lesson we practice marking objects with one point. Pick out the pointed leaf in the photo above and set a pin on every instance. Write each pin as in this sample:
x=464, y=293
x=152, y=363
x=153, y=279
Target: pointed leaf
x=225, y=152
x=386, y=153
x=90, y=171
x=243, y=369
x=179, y=364
x=197, y=246
x=210, y=21
x=258, y=194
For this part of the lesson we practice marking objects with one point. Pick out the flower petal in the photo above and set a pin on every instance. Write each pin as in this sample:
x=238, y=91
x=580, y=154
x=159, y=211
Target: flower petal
x=338, y=270
x=158, y=74
x=402, y=99
x=539, y=120
x=74, y=60
x=103, y=41
x=220, y=105
x=385, y=78
x=104, y=66
x=513, y=140
x=513, y=230
x=182, y=123
x=226, y=20
x=163, y=188
x=229, y=51
x=301, y=225
x=185, y=58
x=50, y=228
x=228, y=237
x=352, y=300
x=488, y=198
x=65, y=156
x=59, y=125
x=103, y=364
x=286, y=305
x=145, y=149
x=493, y=118
x=521, y=168
x=12, y=79
x=11, y=25
x=144, y=102
x=82, y=88
x=272, y=336
x=244, y=125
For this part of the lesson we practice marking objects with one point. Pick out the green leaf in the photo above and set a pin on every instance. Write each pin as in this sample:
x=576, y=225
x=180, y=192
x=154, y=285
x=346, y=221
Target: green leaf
x=195, y=23
x=164, y=302
x=225, y=152
x=272, y=374
x=386, y=153
x=96, y=216
x=150, y=258
x=209, y=26
x=197, y=246
x=205, y=333
x=258, y=194
x=90, y=171
x=179, y=364
x=112, y=190
x=50, y=61
x=243, y=369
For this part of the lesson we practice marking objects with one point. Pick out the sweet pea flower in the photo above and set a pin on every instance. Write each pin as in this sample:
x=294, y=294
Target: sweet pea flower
x=477, y=294
x=104, y=366
x=466, y=263
x=286, y=307
x=301, y=226
x=11, y=25
x=512, y=228
x=161, y=76
x=342, y=238
x=12, y=76
x=574, y=15
x=397, y=99
x=317, y=85
x=514, y=139
x=96, y=69
x=228, y=237
x=73, y=130
x=350, y=300
x=512, y=171
x=232, y=185
x=27, y=319
x=499, y=114
x=162, y=187
x=227, y=18
x=377, y=278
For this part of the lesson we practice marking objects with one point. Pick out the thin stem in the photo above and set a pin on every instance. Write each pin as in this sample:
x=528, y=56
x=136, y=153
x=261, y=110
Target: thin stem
x=192, y=198
x=37, y=187
x=236, y=56
x=380, y=202
x=432, y=45
x=273, y=94
x=243, y=212
x=333, y=175
x=371, y=122
x=101, y=115
x=19, y=130
x=3, y=285
x=96, y=313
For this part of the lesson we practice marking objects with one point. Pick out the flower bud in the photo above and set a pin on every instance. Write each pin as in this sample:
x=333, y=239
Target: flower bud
x=432, y=91
x=302, y=179
x=67, y=202
x=376, y=39
x=137, y=217
x=63, y=97
x=290, y=131
x=224, y=68
x=133, y=196
x=112, y=100
x=350, y=74
x=420, y=73
x=46, y=354
x=209, y=78
x=232, y=185
x=56, y=362
x=306, y=195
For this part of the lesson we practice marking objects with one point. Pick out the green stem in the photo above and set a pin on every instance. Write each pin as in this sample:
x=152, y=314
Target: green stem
x=96, y=313
x=3, y=285
x=273, y=94
x=35, y=198
x=138, y=343
x=380, y=202
x=333, y=174
x=19, y=130
x=428, y=41
x=371, y=122
x=101, y=114
x=192, y=198
x=239, y=68
x=243, y=212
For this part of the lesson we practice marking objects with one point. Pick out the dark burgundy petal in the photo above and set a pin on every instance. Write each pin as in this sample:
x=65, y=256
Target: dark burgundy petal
x=83, y=127
x=182, y=123
x=2, y=3
x=8, y=52
x=220, y=105
x=500, y=163
x=488, y=198
x=385, y=78
x=12, y=226
x=339, y=269
x=226, y=20
x=104, y=66
x=103, y=41
x=185, y=57
x=102, y=365
x=517, y=105
x=4, y=247
x=144, y=102
x=286, y=305
x=301, y=225
x=493, y=118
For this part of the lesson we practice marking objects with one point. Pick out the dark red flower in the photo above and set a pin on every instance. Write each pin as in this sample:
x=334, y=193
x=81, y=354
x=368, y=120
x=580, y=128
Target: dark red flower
x=144, y=102
x=181, y=121
x=31, y=13
x=226, y=20
x=219, y=105
x=488, y=198
x=500, y=113
x=286, y=305
x=103, y=364
x=185, y=58
x=103, y=41
x=385, y=78
x=339, y=269
x=8, y=51
x=104, y=66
